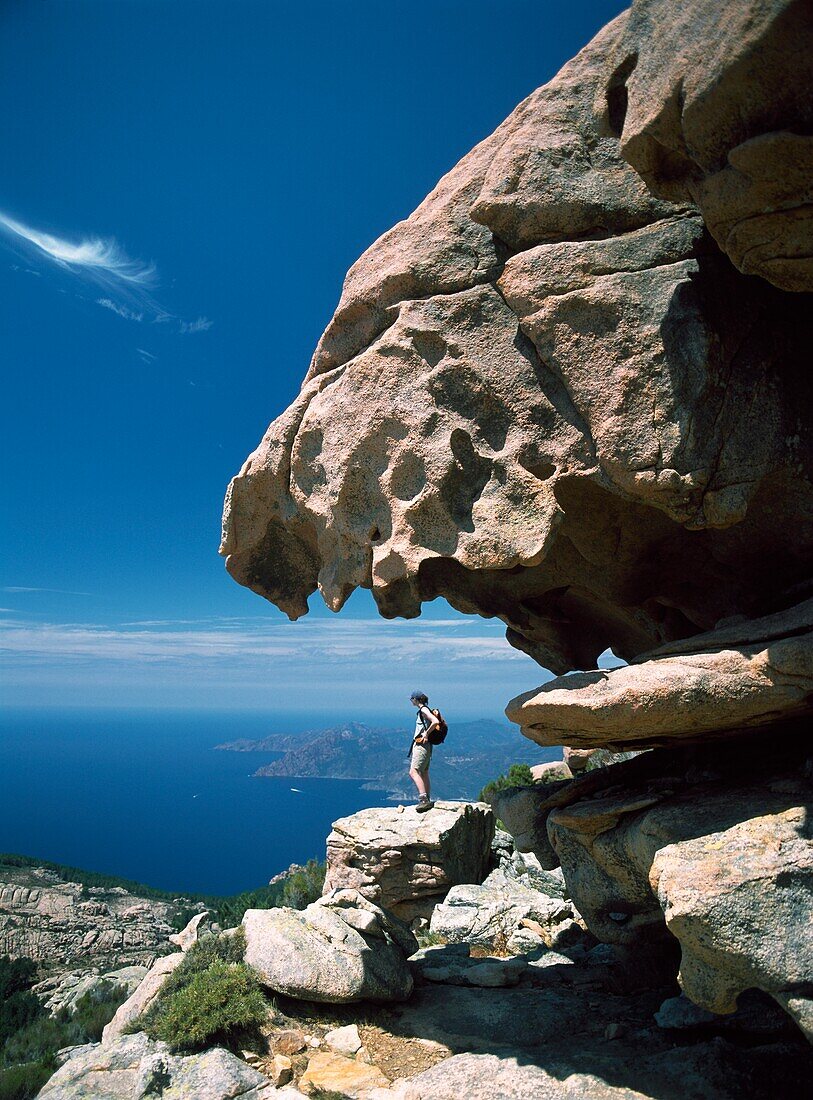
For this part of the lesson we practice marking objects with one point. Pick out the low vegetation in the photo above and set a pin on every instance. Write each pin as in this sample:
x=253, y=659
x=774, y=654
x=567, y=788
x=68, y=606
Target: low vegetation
x=30, y=1037
x=518, y=775
x=213, y=997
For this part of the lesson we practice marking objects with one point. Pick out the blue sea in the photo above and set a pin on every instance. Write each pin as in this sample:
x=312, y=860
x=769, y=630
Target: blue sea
x=143, y=794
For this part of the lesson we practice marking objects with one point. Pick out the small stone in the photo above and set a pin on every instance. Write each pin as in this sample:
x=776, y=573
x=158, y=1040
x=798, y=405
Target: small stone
x=613, y=1031
x=344, y=1040
x=314, y=1042
x=679, y=1012
x=289, y=1041
x=281, y=1070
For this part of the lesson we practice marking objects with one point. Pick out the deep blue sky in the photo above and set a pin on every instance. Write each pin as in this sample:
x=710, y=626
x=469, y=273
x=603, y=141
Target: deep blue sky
x=250, y=151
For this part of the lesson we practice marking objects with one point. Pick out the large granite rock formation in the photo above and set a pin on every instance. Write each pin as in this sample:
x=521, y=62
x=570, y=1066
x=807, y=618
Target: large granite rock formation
x=405, y=861
x=570, y=410
x=703, y=844
x=577, y=378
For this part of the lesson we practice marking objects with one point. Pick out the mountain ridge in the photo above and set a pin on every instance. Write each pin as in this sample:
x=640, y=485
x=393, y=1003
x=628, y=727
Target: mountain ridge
x=474, y=753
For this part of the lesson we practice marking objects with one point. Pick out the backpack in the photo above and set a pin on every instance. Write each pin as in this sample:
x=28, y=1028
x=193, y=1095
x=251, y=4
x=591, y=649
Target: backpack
x=438, y=735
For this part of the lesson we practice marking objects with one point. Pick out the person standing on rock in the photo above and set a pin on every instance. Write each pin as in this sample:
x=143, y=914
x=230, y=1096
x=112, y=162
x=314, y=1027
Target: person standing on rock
x=420, y=752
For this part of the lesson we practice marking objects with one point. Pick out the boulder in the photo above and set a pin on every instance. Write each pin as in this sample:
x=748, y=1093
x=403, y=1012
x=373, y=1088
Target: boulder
x=134, y=1067
x=551, y=772
x=406, y=862
x=726, y=867
x=340, y=949
x=494, y=910
x=759, y=678
x=142, y=997
x=613, y=420
x=344, y=1040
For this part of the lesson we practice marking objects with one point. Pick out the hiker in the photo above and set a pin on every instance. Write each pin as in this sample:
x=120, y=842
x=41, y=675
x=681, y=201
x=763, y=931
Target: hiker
x=420, y=755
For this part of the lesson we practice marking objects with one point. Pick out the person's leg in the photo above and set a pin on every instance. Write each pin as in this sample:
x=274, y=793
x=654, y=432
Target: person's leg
x=419, y=779
x=427, y=784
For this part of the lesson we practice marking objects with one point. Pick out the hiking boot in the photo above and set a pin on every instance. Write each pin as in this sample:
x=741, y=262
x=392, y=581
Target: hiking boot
x=424, y=804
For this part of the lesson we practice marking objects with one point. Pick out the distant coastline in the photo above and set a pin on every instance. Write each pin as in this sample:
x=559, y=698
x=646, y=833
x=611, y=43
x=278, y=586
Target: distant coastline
x=474, y=753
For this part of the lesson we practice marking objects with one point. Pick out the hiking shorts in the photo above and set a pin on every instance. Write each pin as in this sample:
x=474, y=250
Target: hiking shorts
x=421, y=758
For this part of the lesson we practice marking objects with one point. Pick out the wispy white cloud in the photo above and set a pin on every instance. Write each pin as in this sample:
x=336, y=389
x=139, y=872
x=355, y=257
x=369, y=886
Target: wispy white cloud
x=25, y=588
x=249, y=644
x=147, y=356
x=97, y=255
x=123, y=311
x=126, y=283
x=203, y=324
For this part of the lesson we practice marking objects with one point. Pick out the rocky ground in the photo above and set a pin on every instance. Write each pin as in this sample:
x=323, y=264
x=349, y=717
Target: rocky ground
x=510, y=996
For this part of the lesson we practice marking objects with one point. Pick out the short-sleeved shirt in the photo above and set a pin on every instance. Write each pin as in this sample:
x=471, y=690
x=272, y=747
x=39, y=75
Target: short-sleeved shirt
x=421, y=754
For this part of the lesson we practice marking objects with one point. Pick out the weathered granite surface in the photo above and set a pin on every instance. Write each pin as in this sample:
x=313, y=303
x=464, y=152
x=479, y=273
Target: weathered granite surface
x=340, y=949
x=711, y=848
x=570, y=410
x=405, y=861
x=135, y=1068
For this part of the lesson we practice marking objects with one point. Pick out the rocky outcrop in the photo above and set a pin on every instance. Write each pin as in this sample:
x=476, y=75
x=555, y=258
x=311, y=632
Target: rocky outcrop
x=340, y=949
x=754, y=673
x=725, y=127
x=406, y=862
x=570, y=411
x=495, y=910
x=578, y=381
x=64, y=925
x=711, y=849
x=135, y=1068
x=62, y=991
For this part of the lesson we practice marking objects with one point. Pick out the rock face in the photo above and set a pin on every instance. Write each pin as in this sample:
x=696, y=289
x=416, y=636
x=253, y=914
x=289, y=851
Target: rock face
x=340, y=949
x=494, y=910
x=612, y=431
x=726, y=127
x=62, y=925
x=406, y=862
x=135, y=1068
x=755, y=673
x=712, y=850
x=578, y=378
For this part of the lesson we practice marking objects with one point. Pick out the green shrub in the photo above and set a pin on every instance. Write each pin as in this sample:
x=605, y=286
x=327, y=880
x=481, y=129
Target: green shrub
x=305, y=886
x=43, y=1036
x=24, y=1082
x=211, y=997
x=518, y=775
x=216, y=1005
x=18, y=1005
x=94, y=1011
